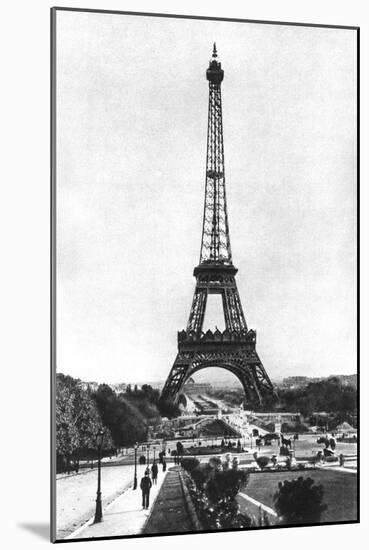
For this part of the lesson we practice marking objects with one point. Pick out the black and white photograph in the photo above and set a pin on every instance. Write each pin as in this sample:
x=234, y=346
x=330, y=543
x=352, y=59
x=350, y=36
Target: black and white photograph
x=204, y=274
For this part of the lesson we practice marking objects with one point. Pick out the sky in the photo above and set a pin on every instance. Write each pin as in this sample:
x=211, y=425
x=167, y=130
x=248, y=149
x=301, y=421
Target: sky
x=132, y=101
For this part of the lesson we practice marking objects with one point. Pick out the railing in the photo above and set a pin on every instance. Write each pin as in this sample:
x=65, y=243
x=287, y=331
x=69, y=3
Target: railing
x=217, y=336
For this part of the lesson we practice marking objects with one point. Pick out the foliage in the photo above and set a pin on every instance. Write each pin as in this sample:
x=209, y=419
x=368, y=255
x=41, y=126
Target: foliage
x=128, y=415
x=297, y=427
x=123, y=419
x=212, y=450
x=180, y=448
x=168, y=409
x=77, y=423
x=66, y=431
x=189, y=464
x=215, y=463
x=199, y=476
x=262, y=462
x=80, y=414
x=299, y=501
x=214, y=492
x=325, y=395
x=284, y=451
x=225, y=485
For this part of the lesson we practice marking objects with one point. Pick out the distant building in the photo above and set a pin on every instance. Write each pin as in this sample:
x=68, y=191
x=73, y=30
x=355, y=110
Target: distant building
x=118, y=388
x=193, y=388
x=297, y=382
x=92, y=386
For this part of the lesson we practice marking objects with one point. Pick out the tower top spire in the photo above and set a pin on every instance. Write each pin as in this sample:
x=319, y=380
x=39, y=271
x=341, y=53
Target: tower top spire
x=215, y=243
x=215, y=73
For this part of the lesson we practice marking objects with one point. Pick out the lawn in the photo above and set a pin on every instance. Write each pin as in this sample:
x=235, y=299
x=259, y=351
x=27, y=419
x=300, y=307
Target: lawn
x=340, y=490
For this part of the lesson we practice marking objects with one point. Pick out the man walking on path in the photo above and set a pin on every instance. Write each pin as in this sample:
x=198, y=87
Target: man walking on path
x=154, y=472
x=164, y=465
x=145, y=486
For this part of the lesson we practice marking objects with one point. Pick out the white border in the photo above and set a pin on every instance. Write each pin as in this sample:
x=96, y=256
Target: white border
x=25, y=267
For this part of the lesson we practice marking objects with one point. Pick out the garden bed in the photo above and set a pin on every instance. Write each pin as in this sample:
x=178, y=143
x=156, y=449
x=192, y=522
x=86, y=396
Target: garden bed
x=213, y=450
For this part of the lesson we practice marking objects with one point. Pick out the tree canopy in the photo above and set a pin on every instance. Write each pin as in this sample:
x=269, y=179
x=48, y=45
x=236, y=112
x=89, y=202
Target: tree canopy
x=299, y=501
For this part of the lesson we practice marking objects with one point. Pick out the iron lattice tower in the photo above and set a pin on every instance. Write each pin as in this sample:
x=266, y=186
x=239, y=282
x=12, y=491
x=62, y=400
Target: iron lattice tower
x=234, y=348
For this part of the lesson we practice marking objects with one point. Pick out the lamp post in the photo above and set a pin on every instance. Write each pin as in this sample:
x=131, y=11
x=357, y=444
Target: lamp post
x=135, y=476
x=154, y=452
x=98, y=512
x=148, y=455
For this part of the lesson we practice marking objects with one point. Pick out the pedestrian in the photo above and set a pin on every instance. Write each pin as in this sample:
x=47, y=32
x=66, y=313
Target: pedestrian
x=145, y=486
x=164, y=465
x=154, y=473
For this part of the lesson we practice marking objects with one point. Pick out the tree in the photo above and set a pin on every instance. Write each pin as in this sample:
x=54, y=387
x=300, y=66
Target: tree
x=299, y=501
x=225, y=485
x=262, y=462
x=77, y=423
x=190, y=464
x=221, y=492
x=87, y=420
x=214, y=494
x=168, y=408
x=67, y=439
x=126, y=423
x=180, y=448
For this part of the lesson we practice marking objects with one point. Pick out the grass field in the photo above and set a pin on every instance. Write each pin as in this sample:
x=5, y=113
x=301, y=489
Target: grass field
x=340, y=490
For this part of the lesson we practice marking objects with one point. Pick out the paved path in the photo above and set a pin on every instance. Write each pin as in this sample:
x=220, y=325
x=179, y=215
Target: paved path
x=124, y=516
x=75, y=495
x=169, y=514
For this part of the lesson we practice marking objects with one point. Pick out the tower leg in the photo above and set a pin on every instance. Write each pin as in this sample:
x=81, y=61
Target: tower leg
x=176, y=377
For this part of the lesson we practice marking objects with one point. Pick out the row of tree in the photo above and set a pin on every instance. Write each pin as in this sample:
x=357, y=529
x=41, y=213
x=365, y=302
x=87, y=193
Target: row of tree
x=328, y=395
x=78, y=421
x=81, y=413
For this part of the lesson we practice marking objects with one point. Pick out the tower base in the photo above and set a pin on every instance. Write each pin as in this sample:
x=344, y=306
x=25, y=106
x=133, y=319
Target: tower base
x=234, y=352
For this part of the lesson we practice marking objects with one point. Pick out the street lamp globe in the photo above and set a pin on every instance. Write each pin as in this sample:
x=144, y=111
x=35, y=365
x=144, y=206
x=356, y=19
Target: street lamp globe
x=100, y=437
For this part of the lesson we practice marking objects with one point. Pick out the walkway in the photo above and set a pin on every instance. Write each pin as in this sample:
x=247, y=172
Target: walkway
x=169, y=514
x=124, y=516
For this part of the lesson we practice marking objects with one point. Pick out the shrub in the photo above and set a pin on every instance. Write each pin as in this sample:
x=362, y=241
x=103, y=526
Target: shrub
x=262, y=462
x=215, y=463
x=283, y=451
x=213, y=493
x=299, y=501
x=225, y=485
x=199, y=476
x=189, y=464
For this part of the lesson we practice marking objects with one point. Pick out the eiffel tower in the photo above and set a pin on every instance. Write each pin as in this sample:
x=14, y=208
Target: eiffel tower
x=234, y=348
